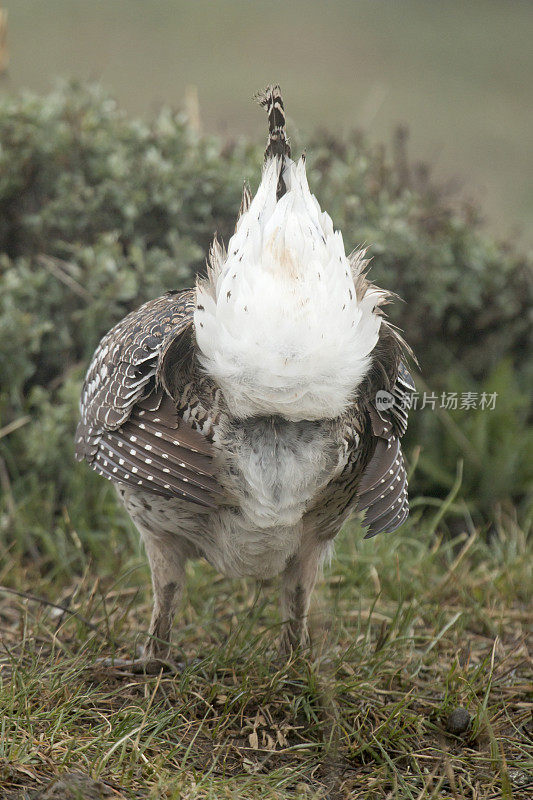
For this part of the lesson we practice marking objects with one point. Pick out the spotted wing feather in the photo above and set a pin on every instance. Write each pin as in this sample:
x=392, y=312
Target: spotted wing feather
x=382, y=491
x=130, y=430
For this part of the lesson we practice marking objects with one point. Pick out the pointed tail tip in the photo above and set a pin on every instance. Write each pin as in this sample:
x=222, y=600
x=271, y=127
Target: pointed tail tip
x=272, y=100
x=267, y=97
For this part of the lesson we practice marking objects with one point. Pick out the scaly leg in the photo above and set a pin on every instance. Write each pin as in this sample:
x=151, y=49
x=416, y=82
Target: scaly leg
x=298, y=581
x=167, y=557
x=167, y=563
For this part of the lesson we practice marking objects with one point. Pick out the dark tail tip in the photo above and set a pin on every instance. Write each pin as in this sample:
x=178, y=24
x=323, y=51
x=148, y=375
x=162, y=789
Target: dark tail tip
x=272, y=100
x=278, y=143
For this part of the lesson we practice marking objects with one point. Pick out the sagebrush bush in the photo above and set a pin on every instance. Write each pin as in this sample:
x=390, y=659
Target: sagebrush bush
x=99, y=213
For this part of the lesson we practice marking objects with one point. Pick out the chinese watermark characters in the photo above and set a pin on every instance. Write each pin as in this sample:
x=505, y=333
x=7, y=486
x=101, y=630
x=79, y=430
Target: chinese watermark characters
x=449, y=401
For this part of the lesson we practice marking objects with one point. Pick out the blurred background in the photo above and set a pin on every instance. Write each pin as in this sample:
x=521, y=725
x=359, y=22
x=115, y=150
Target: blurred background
x=126, y=131
x=458, y=73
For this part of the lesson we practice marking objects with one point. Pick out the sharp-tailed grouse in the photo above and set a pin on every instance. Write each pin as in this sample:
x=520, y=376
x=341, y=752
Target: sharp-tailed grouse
x=238, y=420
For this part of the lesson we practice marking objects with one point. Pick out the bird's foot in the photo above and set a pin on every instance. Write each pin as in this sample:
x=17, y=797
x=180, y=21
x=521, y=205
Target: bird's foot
x=147, y=663
x=291, y=644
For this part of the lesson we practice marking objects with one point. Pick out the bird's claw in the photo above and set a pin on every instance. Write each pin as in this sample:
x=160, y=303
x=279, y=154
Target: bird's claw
x=145, y=665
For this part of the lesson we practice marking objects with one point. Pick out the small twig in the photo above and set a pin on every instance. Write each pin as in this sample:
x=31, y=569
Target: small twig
x=54, y=266
x=49, y=603
x=14, y=426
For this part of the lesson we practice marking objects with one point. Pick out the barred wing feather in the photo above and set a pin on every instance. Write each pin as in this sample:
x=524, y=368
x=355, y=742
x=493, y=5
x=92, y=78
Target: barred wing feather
x=130, y=430
x=382, y=491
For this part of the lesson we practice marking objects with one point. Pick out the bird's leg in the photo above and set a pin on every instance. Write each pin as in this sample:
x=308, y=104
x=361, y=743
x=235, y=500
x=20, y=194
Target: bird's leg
x=298, y=581
x=167, y=564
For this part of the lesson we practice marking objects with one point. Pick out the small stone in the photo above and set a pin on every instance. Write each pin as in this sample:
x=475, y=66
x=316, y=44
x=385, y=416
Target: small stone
x=458, y=721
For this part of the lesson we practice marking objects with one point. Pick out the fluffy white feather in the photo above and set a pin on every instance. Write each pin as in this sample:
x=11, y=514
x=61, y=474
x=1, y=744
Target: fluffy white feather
x=278, y=323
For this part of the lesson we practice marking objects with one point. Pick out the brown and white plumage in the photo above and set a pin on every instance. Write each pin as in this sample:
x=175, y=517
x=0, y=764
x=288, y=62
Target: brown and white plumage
x=239, y=420
x=130, y=430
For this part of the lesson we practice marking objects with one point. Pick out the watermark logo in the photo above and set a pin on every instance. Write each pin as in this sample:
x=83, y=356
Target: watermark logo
x=384, y=400
x=448, y=401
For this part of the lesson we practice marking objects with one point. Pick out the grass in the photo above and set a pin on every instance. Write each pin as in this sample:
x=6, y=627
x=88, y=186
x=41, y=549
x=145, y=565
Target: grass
x=406, y=628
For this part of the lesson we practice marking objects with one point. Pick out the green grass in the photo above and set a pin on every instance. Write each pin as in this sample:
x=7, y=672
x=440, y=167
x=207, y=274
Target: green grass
x=406, y=627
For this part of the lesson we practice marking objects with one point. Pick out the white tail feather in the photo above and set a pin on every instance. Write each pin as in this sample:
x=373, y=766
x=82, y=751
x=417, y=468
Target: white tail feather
x=278, y=324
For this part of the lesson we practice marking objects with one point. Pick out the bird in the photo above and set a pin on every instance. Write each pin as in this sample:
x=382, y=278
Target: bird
x=243, y=420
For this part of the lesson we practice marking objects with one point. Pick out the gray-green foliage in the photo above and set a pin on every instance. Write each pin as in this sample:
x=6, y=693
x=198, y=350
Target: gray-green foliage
x=99, y=213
